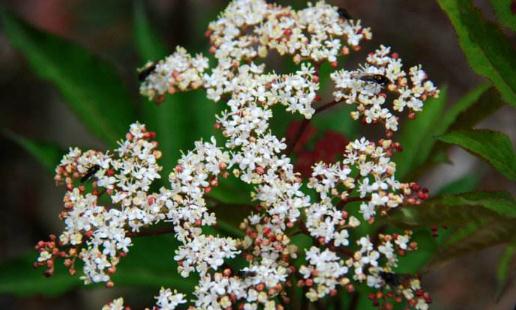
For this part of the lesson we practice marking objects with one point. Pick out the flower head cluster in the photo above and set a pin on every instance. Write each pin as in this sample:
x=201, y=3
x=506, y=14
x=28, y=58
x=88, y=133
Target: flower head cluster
x=350, y=193
x=97, y=234
x=369, y=88
x=178, y=72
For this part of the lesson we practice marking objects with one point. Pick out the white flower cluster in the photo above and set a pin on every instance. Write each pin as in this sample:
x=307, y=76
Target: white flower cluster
x=245, y=32
x=369, y=86
x=366, y=169
x=178, y=72
x=326, y=270
x=166, y=300
x=125, y=178
x=249, y=29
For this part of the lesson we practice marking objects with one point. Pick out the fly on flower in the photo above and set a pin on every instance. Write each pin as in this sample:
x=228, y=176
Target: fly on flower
x=146, y=70
x=89, y=174
x=344, y=14
x=379, y=79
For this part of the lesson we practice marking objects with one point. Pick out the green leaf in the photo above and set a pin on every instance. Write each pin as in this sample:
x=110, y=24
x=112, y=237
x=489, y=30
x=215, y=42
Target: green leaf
x=461, y=208
x=465, y=113
x=182, y=118
x=487, y=50
x=461, y=185
x=504, y=13
x=149, y=264
x=475, y=221
x=18, y=277
x=504, y=268
x=417, y=136
x=47, y=154
x=414, y=262
x=148, y=43
x=494, y=147
x=475, y=106
x=90, y=86
x=475, y=236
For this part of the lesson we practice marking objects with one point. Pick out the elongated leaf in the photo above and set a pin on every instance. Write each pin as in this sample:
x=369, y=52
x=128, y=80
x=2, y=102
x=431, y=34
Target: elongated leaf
x=148, y=43
x=417, y=136
x=458, y=209
x=461, y=185
x=489, y=53
x=475, y=106
x=149, y=264
x=17, y=277
x=476, y=236
x=464, y=114
x=504, y=268
x=475, y=221
x=90, y=86
x=494, y=147
x=504, y=13
x=47, y=154
x=182, y=118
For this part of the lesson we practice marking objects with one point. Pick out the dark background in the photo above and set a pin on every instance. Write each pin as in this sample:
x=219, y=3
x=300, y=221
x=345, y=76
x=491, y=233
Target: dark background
x=418, y=30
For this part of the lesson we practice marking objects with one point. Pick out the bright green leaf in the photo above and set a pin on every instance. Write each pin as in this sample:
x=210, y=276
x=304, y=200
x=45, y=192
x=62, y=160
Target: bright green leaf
x=494, y=147
x=417, y=136
x=464, y=114
x=47, y=154
x=504, y=268
x=488, y=51
x=504, y=13
x=90, y=86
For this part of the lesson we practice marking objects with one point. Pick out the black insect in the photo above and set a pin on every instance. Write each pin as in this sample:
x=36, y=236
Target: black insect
x=390, y=278
x=243, y=273
x=144, y=72
x=379, y=79
x=269, y=1
x=344, y=14
x=91, y=171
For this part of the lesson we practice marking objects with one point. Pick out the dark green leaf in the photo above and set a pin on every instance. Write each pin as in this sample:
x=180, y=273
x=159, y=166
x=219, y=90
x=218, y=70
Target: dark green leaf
x=475, y=106
x=504, y=13
x=476, y=236
x=90, y=86
x=148, y=43
x=489, y=53
x=475, y=221
x=417, y=136
x=18, y=277
x=47, y=154
x=149, y=264
x=494, y=147
x=458, y=209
